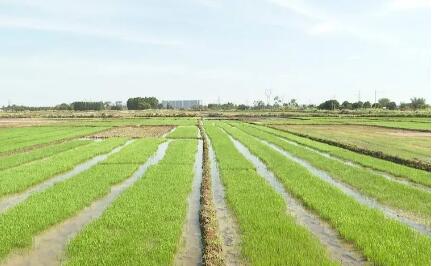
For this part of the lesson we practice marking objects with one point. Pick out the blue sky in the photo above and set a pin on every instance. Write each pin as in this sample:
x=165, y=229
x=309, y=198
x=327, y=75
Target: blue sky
x=233, y=50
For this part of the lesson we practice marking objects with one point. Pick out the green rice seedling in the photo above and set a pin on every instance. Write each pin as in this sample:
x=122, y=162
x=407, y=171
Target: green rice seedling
x=399, y=196
x=144, y=225
x=38, y=139
x=42, y=210
x=382, y=240
x=17, y=179
x=184, y=132
x=25, y=157
x=269, y=236
x=398, y=170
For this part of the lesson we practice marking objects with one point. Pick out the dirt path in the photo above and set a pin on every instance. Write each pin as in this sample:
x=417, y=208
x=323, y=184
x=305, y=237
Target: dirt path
x=338, y=249
x=191, y=249
x=13, y=200
x=49, y=247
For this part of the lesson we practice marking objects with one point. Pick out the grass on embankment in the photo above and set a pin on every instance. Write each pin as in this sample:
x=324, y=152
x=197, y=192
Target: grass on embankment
x=63, y=200
x=212, y=242
x=25, y=157
x=144, y=225
x=19, y=178
x=382, y=240
x=269, y=236
x=184, y=132
x=399, y=196
x=398, y=170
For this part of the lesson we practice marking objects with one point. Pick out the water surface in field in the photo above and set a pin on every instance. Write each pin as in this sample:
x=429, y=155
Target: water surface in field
x=227, y=225
x=13, y=200
x=338, y=249
x=354, y=164
x=49, y=247
x=191, y=249
x=370, y=202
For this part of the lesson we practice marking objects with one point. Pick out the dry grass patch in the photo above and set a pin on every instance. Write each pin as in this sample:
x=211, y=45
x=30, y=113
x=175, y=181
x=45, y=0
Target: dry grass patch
x=134, y=132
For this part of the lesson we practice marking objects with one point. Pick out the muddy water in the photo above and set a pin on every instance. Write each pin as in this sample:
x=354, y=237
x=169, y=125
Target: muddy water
x=49, y=247
x=374, y=171
x=370, y=202
x=13, y=200
x=227, y=225
x=338, y=249
x=191, y=250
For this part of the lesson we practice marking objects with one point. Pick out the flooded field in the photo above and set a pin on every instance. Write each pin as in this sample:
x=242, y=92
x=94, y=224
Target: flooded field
x=205, y=192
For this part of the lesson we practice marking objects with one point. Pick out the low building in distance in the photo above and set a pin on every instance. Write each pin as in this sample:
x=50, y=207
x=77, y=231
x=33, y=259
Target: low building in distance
x=181, y=104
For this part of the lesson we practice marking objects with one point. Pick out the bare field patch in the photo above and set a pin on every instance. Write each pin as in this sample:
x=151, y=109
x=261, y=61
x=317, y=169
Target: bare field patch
x=26, y=122
x=134, y=132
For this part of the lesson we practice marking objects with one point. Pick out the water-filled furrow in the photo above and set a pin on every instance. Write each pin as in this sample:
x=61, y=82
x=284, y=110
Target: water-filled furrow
x=191, y=249
x=227, y=226
x=354, y=164
x=13, y=200
x=49, y=247
x=338, y=249
x=348, y=190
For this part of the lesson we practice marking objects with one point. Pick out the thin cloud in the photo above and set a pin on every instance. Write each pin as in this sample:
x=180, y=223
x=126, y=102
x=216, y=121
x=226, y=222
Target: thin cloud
x=57, y=26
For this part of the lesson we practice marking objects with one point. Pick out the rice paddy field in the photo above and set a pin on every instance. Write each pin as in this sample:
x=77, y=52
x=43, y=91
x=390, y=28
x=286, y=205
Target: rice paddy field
x=202, y=191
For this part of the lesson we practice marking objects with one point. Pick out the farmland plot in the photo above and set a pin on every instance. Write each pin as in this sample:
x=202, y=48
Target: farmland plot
x=186, y=192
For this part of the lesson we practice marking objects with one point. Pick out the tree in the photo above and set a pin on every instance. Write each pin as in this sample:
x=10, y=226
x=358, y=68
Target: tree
x=417, y=103
x=329, y=105
x=259, y=104
x=346, y=105
x=139, y=103
x=383, y=102
x=86, y=106
x=367, y=104
x=391, y=106
x=293, y=103
x=357, y=105
x=243, y=107
x=63, y=106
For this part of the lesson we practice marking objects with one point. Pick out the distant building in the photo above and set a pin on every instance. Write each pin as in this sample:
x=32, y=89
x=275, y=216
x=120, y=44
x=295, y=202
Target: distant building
x=181, y=104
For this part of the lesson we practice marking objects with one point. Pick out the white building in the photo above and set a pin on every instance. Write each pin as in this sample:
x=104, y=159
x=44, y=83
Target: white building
x=181, y=104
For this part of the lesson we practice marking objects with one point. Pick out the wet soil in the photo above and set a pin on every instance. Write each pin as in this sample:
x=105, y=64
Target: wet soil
x=49, y=246
x=338, y=249
x=134, y=132
x=13, y=200
x=191, y=249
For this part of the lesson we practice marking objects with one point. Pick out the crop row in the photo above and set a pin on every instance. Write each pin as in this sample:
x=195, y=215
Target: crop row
x=144, y=225
x=16, y=179
x=38, y=139
x=415, y=175
x=383, y=241
x=184, y=132
x=35, y=154
x=411, y=200
x=63, y=200
x=268, y=235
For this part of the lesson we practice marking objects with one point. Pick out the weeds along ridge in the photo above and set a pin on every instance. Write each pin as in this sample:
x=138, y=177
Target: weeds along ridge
x=213, y=251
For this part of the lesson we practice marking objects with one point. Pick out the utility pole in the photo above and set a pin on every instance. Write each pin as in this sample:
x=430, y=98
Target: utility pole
x=375, y=95
x=268, y=94
x=359, y=95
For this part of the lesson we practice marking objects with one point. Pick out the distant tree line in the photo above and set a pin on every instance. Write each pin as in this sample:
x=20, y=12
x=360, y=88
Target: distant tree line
x=140, y=103
x=383, y=103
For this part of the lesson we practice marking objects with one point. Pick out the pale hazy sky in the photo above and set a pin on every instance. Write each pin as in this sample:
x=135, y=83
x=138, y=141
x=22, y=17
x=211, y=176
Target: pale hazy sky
x=57, y=51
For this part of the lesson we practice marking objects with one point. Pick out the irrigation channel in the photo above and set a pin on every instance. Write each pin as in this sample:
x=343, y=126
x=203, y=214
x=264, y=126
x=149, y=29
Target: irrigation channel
x=13, y=200
x=49, y=247
x=227, y=225
x=191, y=250
x=338, y=249
x=372, y=203
x=353, y=164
